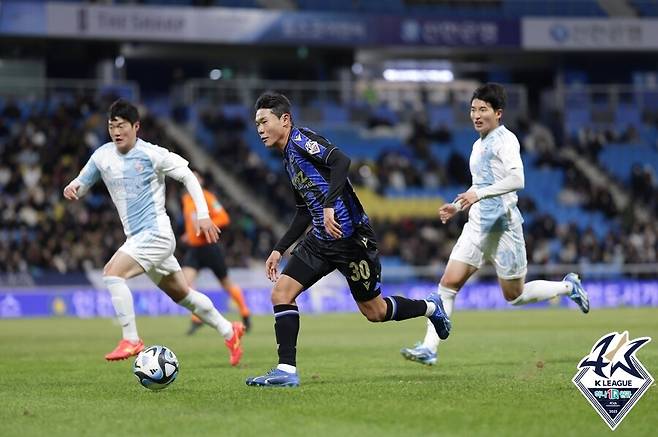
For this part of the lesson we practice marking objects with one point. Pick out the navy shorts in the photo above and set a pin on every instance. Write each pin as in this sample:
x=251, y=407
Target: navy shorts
x=356, y=257
x=210, y=256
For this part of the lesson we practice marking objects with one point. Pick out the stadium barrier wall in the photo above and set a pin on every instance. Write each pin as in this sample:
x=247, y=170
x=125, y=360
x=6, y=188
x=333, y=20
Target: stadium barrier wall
x=329, y=295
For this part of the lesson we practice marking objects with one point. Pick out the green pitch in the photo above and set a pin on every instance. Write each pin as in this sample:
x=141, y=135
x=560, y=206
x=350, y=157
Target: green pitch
x=499, y=374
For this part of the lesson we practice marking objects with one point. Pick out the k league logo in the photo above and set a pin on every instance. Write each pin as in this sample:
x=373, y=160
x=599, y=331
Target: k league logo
x=612, y=378
x=312, y=147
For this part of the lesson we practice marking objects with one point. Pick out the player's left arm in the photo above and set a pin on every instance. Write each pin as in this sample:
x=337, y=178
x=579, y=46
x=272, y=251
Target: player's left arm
x=339, y=166
x=174, y=166
x=510, y=156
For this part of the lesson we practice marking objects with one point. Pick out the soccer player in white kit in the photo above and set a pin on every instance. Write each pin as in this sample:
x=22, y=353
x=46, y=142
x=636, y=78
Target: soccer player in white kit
x=494, y=229
x=134, y=172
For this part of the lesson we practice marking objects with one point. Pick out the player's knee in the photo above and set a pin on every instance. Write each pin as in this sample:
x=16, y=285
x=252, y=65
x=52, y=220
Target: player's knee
x=110, y=269
x=110, y=280
x=450, y=283
x=281, y=295
x=107, y=269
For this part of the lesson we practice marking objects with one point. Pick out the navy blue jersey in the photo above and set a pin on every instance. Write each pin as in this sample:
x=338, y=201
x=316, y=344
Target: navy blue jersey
x=305, y=158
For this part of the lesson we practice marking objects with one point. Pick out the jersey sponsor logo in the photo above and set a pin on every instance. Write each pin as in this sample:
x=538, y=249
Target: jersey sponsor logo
x=301, y=182
x=312, y=147
x=612, y=378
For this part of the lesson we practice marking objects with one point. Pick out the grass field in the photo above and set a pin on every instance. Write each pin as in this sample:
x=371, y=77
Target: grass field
x=501, y=373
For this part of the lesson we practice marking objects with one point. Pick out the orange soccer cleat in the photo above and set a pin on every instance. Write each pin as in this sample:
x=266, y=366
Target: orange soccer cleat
x=234, y=345
x=125, y=349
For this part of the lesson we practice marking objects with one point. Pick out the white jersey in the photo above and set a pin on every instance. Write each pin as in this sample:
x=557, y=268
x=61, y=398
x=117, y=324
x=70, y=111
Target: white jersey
x=136, y=183
x=491, y=160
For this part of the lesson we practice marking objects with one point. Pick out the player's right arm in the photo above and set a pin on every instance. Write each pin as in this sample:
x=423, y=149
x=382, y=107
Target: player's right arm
x=508, y=151
x=449, y=210
x=79, y=186
x=299, y=224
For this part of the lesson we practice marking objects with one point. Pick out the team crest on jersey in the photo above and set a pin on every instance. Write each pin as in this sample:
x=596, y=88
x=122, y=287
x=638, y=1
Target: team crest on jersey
x=139, y=166
x=612, y=378
x=312, y=147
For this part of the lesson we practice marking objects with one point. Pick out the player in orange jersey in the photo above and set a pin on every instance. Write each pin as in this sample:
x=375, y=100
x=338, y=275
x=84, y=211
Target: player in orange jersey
x=202, y=254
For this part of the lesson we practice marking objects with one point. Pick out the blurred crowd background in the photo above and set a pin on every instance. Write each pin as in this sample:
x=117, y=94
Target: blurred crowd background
x=589, y=135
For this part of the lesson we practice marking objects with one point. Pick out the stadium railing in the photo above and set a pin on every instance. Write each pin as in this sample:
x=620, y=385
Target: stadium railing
x=616, y=106
x=29, y=90
x=398, y=96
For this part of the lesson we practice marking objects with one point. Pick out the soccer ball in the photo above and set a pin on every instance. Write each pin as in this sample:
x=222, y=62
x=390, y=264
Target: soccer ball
x=156, y=367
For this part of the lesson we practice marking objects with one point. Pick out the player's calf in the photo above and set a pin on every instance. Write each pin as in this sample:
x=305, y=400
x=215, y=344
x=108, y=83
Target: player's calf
x=374, y=309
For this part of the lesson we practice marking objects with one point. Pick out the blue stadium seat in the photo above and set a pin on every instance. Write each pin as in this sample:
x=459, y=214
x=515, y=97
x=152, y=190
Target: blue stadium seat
x=336, y=114
x=628, y=115
x=576, y=118
x=235, y=110
x=618, y=159
x=440, y=115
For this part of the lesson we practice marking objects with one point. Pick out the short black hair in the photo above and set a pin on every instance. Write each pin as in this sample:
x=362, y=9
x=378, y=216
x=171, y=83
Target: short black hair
x=492, y=93
x=276, y=102
x=124, y=109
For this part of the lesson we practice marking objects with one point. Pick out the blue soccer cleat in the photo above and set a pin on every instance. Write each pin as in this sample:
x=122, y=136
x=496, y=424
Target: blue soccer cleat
x=274, y=378
x=419, y=354
x=439, y=318
x=578, y=294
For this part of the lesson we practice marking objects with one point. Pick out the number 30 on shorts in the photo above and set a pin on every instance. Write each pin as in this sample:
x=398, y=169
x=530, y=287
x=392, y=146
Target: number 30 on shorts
x=360, y=270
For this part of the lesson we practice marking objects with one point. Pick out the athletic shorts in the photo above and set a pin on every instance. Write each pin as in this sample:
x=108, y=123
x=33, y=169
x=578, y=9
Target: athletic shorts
x=209, y=256
x=505, y=249
x=153, y=251
x=356, y=257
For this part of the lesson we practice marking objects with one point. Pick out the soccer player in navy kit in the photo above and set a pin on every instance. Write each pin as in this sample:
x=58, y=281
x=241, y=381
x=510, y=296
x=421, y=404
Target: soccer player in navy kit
x=341, y=238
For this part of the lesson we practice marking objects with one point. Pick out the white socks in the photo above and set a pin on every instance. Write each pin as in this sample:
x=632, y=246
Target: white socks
x=537, y=291
x=431, y=340
x=122, y=300
x=431, y=307
x=202, y=306
x=287, y=368
x=534, y=291
x=198, y=303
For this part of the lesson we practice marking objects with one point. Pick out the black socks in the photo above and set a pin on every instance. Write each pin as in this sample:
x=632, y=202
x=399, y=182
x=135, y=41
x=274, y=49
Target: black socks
x=400, y=308
x=286, y=327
